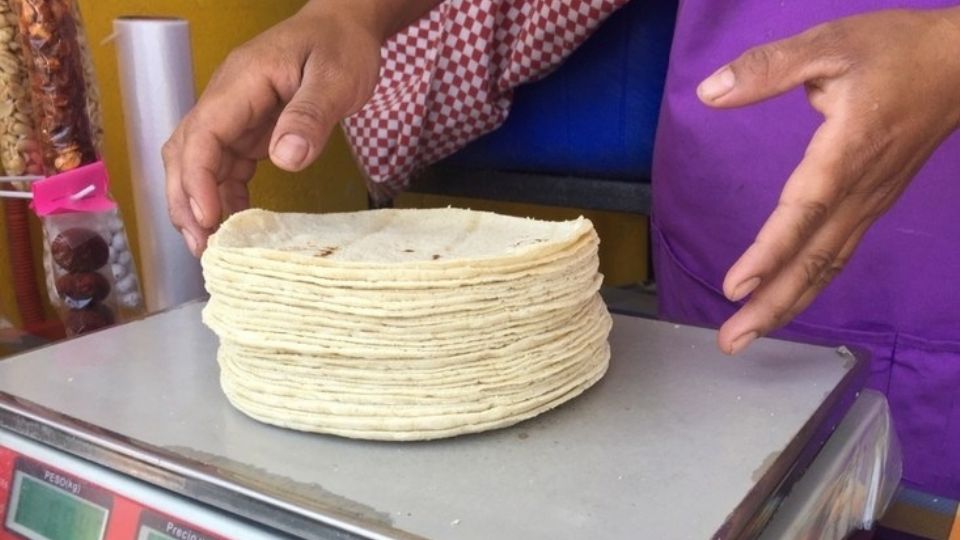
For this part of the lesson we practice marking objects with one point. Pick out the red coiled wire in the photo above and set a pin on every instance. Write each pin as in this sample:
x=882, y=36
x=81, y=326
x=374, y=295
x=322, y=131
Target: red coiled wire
x=29, y=301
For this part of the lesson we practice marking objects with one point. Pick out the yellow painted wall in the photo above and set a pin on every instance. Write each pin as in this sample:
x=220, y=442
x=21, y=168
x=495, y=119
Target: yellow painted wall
x=333, y=183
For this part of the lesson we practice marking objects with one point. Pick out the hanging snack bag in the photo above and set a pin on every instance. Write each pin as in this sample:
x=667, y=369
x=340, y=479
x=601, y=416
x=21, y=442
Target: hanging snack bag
x=90, y=269
x=77, y=214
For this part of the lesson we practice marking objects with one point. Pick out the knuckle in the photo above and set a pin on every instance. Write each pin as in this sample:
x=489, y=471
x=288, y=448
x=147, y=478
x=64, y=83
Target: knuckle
x=759, y=61
x=308, y=112
x=287, y=81
x=289, y=72
x=832, y=43
x=828, y=37
x=831, y=272
x=816, y=265
x=243, y=171
x=168, y=151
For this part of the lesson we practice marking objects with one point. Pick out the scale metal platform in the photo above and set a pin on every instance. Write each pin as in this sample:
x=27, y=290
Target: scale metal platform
x=126, y=431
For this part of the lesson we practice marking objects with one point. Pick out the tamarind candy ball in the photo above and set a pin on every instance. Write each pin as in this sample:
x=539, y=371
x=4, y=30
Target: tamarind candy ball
x=80, y=250
x=93, y=317
x=80, y=290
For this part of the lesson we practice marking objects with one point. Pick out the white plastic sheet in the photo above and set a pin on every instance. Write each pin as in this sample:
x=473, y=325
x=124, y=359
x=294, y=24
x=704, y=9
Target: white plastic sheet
x=156, y=81
x=850, y=483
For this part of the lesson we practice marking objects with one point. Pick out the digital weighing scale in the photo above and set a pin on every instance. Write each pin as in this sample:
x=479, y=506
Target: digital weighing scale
x=124, y=434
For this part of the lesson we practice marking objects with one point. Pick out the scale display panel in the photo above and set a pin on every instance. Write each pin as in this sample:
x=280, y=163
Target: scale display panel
x=41, y=502
x=40, y=511
x=156, y=526
x=47, y=504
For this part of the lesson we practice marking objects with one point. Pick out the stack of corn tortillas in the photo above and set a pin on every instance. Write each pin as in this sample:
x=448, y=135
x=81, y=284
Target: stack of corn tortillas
x=404, y=324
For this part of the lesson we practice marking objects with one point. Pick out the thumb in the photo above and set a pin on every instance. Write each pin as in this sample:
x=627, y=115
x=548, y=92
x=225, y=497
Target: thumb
x=774, y=68
x=306, y=121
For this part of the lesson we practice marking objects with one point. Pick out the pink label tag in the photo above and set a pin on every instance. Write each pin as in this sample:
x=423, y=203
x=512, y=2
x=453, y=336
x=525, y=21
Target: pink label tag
x=83, y=189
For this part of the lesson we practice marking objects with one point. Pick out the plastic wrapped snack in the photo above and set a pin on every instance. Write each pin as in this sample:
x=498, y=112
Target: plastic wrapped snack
x=94, y=110
x=59, y=73
x=19, y=146
x=90, y=269
x=49, y=38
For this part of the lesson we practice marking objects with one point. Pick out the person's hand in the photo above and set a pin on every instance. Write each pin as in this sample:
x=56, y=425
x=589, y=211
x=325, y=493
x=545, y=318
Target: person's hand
x=888, y=86
x=280, y=95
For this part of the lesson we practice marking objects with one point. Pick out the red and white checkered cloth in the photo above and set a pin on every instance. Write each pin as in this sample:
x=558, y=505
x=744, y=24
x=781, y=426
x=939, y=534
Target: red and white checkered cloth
x=449, y=79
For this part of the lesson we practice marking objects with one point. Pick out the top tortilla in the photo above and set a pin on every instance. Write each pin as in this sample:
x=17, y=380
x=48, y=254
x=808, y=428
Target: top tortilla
x=396, y=238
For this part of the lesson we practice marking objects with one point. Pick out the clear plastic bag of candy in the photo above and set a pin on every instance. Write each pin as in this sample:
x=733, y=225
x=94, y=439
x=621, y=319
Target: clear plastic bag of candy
x=90, y=270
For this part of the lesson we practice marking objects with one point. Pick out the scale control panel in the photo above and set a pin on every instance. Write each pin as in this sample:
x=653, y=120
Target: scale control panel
x=48, y=495
x=41, y=502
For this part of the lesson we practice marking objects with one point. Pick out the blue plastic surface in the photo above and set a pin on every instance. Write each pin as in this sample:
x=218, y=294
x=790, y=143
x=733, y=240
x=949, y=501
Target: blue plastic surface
x=596, y=115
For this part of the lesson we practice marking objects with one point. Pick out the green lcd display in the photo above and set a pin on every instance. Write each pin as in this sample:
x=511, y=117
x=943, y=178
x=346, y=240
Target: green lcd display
x=40, y=511
x=146, y=533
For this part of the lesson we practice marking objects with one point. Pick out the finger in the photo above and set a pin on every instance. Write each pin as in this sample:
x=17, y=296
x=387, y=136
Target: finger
x=811, y=270
x=170, y=153
x=807, y=200
x=234, y=193
x=177, y=206
x=307, y=120
x=203, y=157
x=234, y=197
x=774, y=68
x=256, y=143
x=237, y=169
x=832, y=271
x=223, y=116
x=182, y=218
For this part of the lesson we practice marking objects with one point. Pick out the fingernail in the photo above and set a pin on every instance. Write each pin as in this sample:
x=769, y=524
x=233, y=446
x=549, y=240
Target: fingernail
x=190, y=240
x=718, y=84
x=197, y=212
x=742, y=342
x=291, y=150
x=742, y=290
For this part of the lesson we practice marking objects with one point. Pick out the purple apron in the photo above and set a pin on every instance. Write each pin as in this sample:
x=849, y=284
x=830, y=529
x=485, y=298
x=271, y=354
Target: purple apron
x=717, y=176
